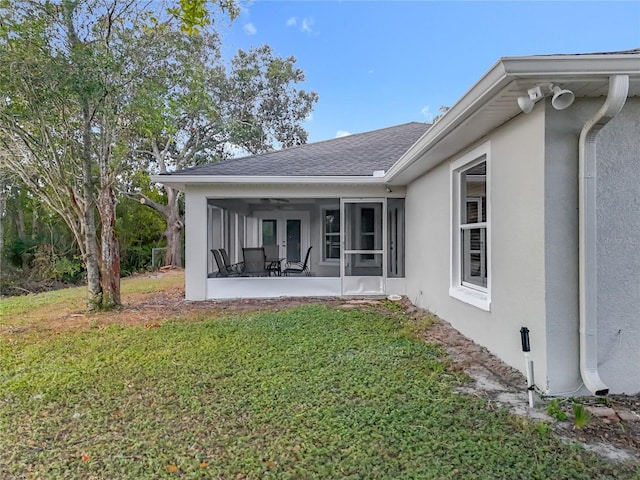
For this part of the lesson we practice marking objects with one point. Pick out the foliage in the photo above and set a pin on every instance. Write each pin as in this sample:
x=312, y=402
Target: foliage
x=76, y=72
x=195, y=109
x=554, y=409
x=580, y=414
x=310, y=392
x=139, y=230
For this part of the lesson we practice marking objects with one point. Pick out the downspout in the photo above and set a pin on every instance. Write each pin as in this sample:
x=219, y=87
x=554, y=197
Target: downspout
x=616, y=98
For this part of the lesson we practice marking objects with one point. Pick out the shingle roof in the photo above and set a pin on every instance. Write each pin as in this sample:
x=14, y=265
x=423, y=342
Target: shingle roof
x=354, y=155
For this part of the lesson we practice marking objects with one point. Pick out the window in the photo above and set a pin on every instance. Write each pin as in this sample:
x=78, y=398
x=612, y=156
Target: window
x=331, y=235
x=470, y=254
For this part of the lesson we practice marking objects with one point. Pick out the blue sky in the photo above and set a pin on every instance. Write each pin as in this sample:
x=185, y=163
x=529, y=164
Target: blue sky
x=380, y=63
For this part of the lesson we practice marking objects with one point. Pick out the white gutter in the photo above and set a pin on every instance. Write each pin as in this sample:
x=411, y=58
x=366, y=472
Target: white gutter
x=180, y=181
x=616, y=98
x=503, y=72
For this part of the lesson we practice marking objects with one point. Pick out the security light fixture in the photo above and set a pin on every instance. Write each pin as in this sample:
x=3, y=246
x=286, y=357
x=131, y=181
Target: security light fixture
x=560, y=100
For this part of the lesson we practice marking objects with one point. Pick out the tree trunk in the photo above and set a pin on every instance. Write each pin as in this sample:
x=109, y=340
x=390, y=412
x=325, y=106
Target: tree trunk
x=110, y=249
x=21, y=233
x=94, y=289
x=175, y=225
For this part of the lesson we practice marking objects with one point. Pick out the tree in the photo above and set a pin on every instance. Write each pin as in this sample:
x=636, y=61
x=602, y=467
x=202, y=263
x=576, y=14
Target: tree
x=70, y=70
x=204, y=112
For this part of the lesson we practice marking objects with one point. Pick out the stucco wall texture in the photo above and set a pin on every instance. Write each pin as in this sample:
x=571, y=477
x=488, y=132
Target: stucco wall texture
x=516, y=176
x=618, y=227
x=533, y=171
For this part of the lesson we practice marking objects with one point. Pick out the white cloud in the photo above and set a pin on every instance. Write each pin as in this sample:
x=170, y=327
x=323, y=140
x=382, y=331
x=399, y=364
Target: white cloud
x=342, y=133
x=428, y=116
x=249, y=29
x=307, y=22
x=292, y=22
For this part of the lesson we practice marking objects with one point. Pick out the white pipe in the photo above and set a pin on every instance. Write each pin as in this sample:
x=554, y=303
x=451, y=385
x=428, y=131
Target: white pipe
x=616, y=98
x=530, y=386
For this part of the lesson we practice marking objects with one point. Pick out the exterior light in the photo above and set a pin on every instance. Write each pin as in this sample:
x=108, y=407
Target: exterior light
x=560, y=100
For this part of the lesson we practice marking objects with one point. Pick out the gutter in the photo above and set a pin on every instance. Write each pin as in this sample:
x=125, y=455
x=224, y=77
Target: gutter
x=616, y=98
x=179, y=181
x=504, y=71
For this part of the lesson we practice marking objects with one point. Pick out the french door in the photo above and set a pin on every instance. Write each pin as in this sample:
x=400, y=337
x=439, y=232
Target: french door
x=286, y=233
x=362, y=268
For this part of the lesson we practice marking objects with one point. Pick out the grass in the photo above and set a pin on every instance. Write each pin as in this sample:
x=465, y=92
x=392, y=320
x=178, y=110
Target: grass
x=308, y=392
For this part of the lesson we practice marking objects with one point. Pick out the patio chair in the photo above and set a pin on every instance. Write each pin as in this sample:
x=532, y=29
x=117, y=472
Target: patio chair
x=223, y=271
x=298, y=268
x=254, y=262
x=274, y=262
x=234, y=267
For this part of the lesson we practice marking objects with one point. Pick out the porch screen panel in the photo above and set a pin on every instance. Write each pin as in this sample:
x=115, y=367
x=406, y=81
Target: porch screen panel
x=363, y=239
x=395, y=243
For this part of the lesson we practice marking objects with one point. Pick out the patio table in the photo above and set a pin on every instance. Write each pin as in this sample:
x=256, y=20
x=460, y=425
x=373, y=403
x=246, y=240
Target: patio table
x=274, y=266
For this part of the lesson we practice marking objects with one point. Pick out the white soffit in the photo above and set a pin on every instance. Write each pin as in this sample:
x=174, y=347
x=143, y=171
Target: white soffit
x=492, y=101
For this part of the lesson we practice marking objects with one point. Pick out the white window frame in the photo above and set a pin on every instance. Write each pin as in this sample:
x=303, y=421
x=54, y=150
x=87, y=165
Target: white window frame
x=475, y=295
x=324, y=260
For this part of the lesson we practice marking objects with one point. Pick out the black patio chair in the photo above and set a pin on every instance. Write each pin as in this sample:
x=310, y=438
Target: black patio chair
x=298, y=268
x=223, y=271
x=233, y=267
x=274, y=263
x=254, y=262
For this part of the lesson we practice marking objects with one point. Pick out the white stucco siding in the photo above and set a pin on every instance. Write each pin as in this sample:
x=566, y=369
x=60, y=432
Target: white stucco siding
x=561, y=255
x=516, y=176
x=618, y=217
x=618, y=247
x=195, y=261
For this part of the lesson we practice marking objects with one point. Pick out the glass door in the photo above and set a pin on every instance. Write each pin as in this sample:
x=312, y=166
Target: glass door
x=285, y=234
x=364, y=247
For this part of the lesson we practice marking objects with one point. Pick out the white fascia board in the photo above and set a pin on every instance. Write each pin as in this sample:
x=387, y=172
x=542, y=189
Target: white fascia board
x=179, y=181
x=505, y=71
x=491, y=83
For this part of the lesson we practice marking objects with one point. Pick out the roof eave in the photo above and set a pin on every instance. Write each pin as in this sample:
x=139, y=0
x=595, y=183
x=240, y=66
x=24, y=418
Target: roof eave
x=180, y=181
x=505, y=71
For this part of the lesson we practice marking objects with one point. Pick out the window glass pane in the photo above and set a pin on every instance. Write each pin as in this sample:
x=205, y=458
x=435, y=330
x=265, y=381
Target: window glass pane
x=332, y=246
x=332, y=221
x=474, y=256
x=269, y=232
x=331, y=234
x=474, y=190
x=294, y=240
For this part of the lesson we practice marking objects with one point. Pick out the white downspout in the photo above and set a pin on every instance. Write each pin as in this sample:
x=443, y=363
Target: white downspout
x=616, y=98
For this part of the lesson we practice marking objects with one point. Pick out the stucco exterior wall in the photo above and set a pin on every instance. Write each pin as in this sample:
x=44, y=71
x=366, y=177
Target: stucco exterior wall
x=516, y=176
x=618, y=217
x=618, y=246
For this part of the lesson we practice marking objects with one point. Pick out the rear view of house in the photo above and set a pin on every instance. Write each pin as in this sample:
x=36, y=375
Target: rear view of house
x=519, y=208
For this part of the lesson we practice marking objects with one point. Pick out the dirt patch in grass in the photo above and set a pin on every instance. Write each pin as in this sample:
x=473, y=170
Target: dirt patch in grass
x=491, y=379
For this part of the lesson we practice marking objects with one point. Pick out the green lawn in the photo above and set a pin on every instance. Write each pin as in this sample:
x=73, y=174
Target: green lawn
x=307, y=393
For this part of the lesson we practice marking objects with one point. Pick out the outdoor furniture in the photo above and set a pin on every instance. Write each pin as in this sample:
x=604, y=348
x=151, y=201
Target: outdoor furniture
x=273, y=261
x=298, y=268
x=223, y=270
x=235, y=267
x=255, y=264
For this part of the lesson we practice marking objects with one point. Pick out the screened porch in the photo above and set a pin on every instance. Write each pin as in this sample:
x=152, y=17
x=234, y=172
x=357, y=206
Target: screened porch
x=356, y=246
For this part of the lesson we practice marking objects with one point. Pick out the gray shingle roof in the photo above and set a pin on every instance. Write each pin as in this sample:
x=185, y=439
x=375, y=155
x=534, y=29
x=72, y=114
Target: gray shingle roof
x=354, y=155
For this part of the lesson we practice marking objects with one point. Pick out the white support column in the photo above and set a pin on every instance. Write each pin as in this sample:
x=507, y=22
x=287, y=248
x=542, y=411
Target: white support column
x=195, y=246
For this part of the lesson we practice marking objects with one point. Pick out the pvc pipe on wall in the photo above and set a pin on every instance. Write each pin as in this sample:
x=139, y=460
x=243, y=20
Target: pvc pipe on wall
x=616, y=98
